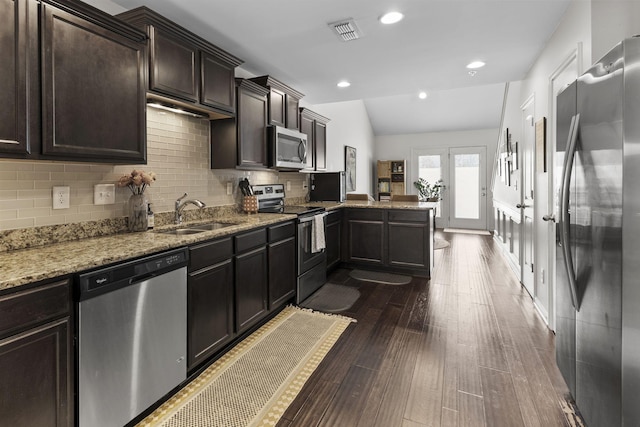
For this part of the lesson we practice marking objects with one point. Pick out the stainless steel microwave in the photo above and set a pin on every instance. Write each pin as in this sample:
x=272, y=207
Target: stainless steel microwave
x=288, y=148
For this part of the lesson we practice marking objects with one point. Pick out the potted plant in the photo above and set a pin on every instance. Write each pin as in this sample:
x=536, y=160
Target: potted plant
x=429, y=192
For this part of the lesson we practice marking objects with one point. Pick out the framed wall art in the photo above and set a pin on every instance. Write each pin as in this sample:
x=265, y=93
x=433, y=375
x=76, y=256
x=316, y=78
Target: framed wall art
x=350, y=167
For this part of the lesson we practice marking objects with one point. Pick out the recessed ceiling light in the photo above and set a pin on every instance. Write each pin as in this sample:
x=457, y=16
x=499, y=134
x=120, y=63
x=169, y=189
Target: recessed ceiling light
x=422, y=95
x=344, y=83
x=476, y=64
x=391, y=17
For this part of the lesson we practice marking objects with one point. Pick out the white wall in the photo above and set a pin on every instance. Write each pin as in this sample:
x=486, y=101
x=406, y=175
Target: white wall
x=397, y=147
x=350, y=126
x=611, y=22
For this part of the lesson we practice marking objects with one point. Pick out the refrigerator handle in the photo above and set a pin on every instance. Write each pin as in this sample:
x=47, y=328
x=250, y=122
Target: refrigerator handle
x=564, y=209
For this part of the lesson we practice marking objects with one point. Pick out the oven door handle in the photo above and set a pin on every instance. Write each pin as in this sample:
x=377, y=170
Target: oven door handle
x=310, y=218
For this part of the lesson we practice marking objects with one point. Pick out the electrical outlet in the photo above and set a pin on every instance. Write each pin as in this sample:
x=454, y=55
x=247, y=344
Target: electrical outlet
x=304, y=185
x=288, y=185
x=61, y=197
x=229, y=188
x=104, y=194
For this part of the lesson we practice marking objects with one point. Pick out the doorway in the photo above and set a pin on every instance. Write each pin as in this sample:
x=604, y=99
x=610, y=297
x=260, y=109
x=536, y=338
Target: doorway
x=463, y=201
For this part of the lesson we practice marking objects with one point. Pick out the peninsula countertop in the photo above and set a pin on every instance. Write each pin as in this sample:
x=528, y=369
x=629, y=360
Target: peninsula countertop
x=25, y=266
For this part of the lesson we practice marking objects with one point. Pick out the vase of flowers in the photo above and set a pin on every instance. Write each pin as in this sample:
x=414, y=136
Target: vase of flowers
x=138, y=205
x=427, y=191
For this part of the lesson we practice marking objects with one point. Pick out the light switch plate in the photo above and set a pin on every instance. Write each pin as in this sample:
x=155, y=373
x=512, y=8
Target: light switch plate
x=229, y=188
x=104, y=194
x=61, y=197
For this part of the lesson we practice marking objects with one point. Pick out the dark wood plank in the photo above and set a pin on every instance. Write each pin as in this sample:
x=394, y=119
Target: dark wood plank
x=501, y=406
x=466, y=348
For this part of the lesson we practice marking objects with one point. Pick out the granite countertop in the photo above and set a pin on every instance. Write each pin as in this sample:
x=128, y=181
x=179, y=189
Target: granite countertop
x=24, y=266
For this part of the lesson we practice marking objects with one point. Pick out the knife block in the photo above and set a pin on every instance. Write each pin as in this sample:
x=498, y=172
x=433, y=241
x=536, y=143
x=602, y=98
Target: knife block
x=250, y=204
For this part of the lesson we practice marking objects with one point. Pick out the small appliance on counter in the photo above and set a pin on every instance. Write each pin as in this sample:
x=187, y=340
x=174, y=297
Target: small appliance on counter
x=327, y=187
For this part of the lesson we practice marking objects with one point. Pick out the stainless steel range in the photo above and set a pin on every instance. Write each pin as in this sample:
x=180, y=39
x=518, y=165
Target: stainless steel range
x=312, y=262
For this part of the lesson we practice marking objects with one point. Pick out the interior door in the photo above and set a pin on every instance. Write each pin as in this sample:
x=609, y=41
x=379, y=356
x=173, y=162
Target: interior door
x=467, y=195
x=524, y=155
x=432, y=165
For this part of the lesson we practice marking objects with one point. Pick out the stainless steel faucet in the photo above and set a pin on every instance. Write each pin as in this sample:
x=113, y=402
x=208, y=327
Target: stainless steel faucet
x=180, y=205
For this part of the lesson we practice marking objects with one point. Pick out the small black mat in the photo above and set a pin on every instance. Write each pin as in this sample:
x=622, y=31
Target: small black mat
x=378, y=277
x=332, y=298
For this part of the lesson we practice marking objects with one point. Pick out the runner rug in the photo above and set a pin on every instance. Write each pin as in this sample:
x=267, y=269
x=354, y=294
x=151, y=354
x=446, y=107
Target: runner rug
x=254, y=383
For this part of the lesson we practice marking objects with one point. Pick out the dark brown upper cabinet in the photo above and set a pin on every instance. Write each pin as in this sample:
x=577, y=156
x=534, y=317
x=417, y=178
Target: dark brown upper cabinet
x=283, y=102
x=241, y=142
x=74, y=81
x=18, y=116
x=184, y=68
x=93, y=88
x=315, y=126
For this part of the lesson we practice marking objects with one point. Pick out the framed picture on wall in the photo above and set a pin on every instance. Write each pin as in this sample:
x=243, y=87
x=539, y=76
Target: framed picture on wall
x=350, y=167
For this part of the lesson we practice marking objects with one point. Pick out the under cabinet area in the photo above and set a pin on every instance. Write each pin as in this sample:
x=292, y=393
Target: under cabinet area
x=36, y=357
x=74, y=82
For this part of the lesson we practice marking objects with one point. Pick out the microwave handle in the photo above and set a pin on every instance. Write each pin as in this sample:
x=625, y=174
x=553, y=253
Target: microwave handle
x=302, y=151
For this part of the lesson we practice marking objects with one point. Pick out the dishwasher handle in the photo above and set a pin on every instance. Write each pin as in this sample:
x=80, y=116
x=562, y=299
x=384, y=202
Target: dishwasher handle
x=141, y=278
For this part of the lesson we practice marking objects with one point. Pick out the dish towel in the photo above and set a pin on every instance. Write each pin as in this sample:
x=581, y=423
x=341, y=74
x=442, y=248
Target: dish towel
x=317, y=233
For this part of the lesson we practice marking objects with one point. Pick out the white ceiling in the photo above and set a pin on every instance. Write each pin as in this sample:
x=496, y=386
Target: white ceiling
x=428, y=50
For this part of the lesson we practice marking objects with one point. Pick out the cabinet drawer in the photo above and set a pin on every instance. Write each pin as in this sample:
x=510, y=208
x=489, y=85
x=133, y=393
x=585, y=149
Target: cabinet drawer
x=250, y=240
x=209, y=253
x=21, y=310
x=281, y=231
x=366, y=214
x=334, y=216
x=408, y=216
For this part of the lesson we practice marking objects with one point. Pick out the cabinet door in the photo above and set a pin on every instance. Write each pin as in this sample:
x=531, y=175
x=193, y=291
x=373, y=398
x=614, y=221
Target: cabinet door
x=282, y=271
x=366, y=236
x=251, y=288
x=320, y=143
x=306, y=127
x=35, y=367
x=252, y=135
x=277, y=108
x=93, y=91
x=209, y=311
x=18, y=67
x=217, y=83
x=174, y=67
x=333, y=236
x=293, y=104
x=409, y=245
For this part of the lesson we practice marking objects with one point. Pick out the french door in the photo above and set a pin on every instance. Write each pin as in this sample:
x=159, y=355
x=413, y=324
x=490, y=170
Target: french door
x=463, y=202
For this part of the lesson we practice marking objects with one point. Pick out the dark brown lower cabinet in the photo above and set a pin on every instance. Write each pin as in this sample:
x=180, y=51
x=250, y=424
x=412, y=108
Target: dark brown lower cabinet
x=366, y=236
x=251, y=288
x=36, y=360
x=333, y=237
x=210, y=313
x=390, y=239
x=282, y=271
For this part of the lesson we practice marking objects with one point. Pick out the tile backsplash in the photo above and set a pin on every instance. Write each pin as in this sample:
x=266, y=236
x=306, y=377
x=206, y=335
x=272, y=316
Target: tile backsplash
x=177, y=151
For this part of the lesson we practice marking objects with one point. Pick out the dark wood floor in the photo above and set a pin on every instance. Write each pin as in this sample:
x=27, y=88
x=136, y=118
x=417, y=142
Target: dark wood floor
x=466, y=348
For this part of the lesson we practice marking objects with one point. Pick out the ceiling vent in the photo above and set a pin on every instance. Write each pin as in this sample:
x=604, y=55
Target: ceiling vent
x=346, y=29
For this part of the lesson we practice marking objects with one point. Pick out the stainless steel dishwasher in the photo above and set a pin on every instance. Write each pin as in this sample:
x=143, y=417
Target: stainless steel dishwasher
x=132, y=337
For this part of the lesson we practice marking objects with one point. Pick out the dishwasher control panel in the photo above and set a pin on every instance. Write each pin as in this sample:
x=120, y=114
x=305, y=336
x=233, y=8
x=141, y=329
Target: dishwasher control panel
x=97, y=282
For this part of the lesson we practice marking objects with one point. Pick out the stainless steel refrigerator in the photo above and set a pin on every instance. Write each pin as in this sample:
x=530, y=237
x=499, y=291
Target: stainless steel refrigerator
x=598, y=246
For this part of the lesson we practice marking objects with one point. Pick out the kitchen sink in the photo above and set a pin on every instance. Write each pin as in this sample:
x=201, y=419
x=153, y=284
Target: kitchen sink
x=182, y=231
x=197, y=228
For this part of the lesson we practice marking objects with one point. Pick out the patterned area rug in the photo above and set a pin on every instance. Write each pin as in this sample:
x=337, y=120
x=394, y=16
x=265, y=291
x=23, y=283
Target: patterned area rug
x=466, y=231
x=332, y=298
x=378, y=277
x=254, y=383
